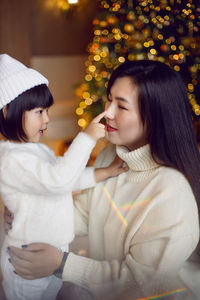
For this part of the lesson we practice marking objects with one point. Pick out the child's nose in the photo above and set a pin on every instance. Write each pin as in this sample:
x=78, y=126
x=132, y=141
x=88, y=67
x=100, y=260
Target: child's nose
x=46, y=117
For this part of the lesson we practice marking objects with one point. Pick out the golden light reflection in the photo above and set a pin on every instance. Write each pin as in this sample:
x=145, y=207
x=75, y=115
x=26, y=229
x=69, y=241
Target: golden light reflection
x=114, y=206
x=178, y=291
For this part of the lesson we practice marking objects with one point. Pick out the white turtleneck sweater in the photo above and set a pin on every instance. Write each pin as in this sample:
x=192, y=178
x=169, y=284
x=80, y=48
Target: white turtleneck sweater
x=142, y=227
x=37, y=187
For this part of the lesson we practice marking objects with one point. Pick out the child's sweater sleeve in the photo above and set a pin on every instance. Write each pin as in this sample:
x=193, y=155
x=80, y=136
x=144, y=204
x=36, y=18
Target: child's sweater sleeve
x=25, y=171
x=86, y=180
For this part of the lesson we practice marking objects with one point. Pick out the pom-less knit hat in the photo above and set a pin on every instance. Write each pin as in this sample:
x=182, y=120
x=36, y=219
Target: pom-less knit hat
x=16, y=78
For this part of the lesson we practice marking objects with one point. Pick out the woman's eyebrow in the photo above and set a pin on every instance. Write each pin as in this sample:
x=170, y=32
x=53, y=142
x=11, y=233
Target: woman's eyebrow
x=121, y=99
x=118, y=98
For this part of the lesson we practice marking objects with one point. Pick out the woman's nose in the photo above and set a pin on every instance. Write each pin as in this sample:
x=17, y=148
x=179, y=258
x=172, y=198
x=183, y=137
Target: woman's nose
x=109, y=112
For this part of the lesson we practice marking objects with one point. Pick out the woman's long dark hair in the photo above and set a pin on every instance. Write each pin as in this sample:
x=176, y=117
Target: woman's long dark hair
x=166, y=113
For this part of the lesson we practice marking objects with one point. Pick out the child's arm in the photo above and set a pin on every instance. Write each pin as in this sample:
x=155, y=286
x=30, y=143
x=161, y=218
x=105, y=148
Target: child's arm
x=114, y=169
x=95, y=129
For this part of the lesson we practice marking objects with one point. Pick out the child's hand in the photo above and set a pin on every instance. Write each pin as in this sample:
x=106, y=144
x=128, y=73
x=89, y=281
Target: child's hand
x=95, y=129
x=115, y=168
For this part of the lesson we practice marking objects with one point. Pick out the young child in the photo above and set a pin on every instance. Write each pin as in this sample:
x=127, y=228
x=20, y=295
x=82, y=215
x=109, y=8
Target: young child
x=35, y=185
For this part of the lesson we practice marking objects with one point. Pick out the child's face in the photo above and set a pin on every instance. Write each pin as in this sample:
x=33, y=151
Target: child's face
x=35, y=122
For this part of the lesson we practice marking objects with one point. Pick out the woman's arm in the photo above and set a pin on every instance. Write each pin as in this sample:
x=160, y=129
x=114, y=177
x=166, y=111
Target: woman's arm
x=41, y=260
x=37, y=260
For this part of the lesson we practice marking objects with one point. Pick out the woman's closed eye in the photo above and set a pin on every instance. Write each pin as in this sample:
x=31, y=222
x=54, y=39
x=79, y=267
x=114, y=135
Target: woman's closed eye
x=119, y=105
x=122, y=107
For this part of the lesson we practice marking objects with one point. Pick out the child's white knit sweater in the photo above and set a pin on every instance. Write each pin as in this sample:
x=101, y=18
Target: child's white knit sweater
x=37, y=187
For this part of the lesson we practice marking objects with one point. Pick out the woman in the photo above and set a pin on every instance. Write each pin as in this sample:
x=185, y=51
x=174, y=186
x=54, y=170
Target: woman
x=142, y=225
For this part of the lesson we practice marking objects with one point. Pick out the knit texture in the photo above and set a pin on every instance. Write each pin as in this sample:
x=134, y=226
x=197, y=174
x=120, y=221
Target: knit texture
x=37, y=187
x=142, y=227
x=16, y=78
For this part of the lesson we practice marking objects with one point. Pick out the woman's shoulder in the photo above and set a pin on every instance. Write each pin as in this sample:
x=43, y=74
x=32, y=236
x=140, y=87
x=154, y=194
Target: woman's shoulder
x=175, y=182
x=172, y=175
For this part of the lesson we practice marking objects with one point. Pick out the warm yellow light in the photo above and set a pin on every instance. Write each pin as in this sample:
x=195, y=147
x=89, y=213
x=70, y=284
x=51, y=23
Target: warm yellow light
x=97, y=32
x=181, y=56
x=146, y=44
x=105, y=32
x=104, y=74
x=173, y=47
x=121, y=59
x=79, y=111
x=116, y=30
x=176, y=68
x=73, y=1
x=98, y=77
x=153, y=51
x=175, y=56
x=160, y=36
x=92, y=68
x=63, y=5
x=88, y=101
x=97, y=57
x=82, y=122
x=86, y=95
x=88, y=77
x=190, y=87
x=181, y=47
x=103, y=54
x=117, y=37
x=82, y=104
x=168, y=41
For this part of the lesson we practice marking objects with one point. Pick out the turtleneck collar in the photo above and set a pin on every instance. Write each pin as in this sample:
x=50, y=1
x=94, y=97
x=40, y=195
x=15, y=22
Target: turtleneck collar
x=139, y=161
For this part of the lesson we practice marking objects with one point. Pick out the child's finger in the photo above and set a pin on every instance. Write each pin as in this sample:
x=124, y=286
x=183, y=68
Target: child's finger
x=98, y=118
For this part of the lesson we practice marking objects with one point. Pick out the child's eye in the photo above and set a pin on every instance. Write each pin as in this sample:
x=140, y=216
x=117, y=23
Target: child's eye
x=39, y=111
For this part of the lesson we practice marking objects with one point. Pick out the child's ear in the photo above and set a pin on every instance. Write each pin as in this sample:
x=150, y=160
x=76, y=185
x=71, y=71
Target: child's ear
x=4, y=109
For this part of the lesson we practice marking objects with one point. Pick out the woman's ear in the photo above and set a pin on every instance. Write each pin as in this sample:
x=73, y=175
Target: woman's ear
x=4, y=109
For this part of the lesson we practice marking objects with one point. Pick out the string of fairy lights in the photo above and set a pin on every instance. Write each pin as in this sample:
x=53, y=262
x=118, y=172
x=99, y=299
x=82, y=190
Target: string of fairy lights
x=167, y=31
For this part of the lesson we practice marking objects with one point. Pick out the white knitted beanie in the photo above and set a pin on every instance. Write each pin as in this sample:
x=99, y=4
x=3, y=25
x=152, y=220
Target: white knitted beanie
x=16, y=78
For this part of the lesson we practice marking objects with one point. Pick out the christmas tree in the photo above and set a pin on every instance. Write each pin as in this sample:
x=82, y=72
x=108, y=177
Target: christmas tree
x=165, y=30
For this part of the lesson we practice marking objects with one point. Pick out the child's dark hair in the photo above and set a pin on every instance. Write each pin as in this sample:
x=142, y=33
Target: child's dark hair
x=11, y=126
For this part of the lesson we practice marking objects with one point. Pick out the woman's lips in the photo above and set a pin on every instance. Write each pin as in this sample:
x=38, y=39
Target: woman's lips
x=110, y=128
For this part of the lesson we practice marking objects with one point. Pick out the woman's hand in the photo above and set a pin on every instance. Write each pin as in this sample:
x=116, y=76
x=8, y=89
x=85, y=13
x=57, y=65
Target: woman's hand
x=8, y=219
x=35, y=260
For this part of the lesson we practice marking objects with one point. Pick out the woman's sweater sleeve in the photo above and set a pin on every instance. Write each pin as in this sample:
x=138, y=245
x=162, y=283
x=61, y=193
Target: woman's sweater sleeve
x=149, y=266
x=24, y=171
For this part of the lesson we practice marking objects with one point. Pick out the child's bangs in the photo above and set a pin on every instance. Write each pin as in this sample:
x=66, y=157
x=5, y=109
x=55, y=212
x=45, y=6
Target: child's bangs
x=38, y=96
